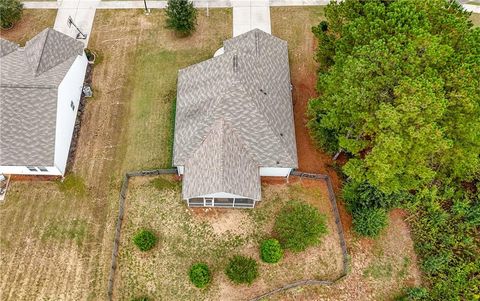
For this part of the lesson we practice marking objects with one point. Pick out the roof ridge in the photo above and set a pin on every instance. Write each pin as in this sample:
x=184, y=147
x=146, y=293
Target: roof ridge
x=267, y=121
x=43, y=50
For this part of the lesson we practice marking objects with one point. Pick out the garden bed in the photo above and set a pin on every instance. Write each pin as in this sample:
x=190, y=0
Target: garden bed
x=187, y=236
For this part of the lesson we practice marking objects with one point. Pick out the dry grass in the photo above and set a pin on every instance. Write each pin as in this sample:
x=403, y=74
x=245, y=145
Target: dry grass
x=32, y=22
x=56, y=240
x=212, y=236
x=475, y=19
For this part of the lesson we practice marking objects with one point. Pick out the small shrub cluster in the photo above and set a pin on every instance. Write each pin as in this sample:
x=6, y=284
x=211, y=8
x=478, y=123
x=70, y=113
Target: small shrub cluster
x=200, y=275
x=10, y=12
x=271, y=251
x=299, y=226
x=241, y=269
x=145, y=240
x=369, y=207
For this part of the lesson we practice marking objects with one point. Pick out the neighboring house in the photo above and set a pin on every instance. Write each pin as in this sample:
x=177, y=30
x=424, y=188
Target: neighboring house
x=234, y=122
x=40, y=89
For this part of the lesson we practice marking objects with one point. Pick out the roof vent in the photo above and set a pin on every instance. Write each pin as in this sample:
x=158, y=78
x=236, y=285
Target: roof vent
x=256, y=43
x=281, y=134
x=261, y=90
x=235, y=63
x=278, y=162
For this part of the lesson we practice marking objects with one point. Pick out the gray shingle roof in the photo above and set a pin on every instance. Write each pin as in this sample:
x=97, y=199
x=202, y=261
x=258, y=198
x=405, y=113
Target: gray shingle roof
x=6, y=47
x=224, y=161
x=29, y=80
x=248, y=87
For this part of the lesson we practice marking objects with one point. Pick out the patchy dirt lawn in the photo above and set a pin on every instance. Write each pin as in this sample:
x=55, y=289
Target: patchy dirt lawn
x=56, y=239
x=212, y=236
x=32, y=22
x=381, y=268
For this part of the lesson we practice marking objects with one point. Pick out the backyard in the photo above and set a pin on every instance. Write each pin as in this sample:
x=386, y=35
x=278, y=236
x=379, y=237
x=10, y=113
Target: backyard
x=212, y=235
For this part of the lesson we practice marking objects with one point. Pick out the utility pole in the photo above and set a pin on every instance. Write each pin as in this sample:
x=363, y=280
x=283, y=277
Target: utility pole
x=80, y=34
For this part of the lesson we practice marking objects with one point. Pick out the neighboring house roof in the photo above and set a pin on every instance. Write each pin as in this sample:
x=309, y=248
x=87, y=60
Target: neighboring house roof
x=29, y=80
x=248, y=87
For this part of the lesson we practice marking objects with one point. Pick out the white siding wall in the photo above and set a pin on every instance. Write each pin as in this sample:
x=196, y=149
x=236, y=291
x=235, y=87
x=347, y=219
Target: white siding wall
x=23, y=170
x=274, y=171
x=69, y=91
x=222, y=195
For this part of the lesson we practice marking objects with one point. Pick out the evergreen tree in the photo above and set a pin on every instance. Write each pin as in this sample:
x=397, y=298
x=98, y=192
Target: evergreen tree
x=181, y=16
x=10, y=12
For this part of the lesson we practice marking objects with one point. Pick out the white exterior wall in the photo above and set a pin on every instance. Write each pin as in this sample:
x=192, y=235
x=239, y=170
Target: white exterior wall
x=70, y=90
x=224, y=195
x=274, y=171
x=23, y=170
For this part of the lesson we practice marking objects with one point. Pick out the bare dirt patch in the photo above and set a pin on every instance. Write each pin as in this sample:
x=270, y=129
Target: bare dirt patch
x=212, y=236
x=33, y=21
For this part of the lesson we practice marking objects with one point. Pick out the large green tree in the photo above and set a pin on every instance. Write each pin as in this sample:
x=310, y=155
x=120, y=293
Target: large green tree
x=399, y=86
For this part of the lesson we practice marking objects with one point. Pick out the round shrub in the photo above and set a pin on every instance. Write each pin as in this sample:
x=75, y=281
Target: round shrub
x=271, y=251
x=145, y=240
x=200, y=275
x=299, y=226
x=241, y=269
x=10, y=12
x=369, y=222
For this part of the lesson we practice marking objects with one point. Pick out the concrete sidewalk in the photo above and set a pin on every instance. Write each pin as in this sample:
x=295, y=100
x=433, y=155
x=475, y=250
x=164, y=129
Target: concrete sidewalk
x=82, y=12
x=162, y=4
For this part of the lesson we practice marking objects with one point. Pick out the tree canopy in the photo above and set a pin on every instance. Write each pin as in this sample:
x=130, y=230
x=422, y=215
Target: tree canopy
x=399, y=92
x=399, y=85
x=10, y=12
x=181, y=16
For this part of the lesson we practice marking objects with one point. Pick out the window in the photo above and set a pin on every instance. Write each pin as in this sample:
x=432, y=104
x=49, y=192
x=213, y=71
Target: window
x=72, y=105
x=42, y=168
x=31, y=168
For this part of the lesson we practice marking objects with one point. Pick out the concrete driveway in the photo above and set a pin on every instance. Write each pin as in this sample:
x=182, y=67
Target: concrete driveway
x=82, y=13
x=248, y=15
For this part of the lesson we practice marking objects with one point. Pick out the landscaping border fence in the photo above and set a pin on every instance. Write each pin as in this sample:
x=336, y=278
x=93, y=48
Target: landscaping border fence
x=121, y=212
x=155, y=172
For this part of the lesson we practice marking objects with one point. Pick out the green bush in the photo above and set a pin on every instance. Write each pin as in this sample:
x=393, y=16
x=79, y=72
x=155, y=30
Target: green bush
x=181, y=16
x=242, y=269
x=145, y=240
x=200, y=275
x=10, y=12
x=271, y=251
x=369, y=222
x=299, y=226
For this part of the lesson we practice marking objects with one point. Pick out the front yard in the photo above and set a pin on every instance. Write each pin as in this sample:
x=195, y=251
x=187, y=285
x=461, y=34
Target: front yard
x=32, y=22
x=187, y=236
